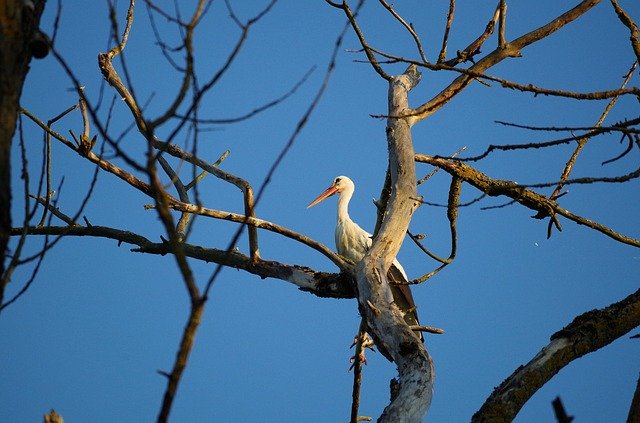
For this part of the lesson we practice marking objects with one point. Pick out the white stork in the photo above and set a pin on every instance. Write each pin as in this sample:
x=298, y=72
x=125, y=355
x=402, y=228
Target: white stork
x=353, y=242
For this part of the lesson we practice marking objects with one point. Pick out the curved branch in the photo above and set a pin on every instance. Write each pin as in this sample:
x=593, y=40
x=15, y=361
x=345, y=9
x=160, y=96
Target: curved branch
x=587, y=333
x=367, y=49
x=125, y=34
x=452, y=216
x=257, y=110
x=105, y=63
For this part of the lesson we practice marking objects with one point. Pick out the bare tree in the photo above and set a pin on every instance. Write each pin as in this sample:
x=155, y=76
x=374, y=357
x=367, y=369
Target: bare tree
x=19, y=21
x=171, y=164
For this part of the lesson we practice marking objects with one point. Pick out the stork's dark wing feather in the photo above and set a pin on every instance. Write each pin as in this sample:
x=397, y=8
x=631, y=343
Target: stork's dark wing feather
x=403, y=297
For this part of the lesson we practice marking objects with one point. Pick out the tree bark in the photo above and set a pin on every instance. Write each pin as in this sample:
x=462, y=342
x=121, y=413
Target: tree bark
x=19, y=21
x=392, y=335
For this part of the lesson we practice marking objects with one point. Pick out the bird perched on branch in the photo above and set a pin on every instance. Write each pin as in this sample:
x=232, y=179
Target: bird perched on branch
x=353, y=242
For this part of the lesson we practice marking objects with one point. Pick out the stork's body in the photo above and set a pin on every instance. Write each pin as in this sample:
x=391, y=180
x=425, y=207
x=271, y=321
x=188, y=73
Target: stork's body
x=353, y=242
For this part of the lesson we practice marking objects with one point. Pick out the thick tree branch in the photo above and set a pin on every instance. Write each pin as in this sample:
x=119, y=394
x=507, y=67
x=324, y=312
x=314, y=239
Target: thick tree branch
x=391, y=334
x=321, y=284
x=587, y=333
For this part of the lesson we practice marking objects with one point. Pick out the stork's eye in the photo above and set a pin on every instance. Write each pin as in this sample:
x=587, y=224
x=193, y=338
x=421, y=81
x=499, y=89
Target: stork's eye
x=337, y=181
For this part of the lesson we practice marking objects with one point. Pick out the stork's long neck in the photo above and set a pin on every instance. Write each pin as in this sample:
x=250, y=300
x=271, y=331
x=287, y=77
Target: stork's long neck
x=343, y=205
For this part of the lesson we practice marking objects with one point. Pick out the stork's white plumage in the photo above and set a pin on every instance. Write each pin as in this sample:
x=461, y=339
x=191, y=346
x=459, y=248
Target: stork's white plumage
x=353, y=242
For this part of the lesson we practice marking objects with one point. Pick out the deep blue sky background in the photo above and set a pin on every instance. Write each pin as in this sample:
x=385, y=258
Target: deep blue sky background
x=99, y=320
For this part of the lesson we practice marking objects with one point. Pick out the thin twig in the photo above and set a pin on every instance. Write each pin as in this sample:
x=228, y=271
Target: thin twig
x=358, y=361
x=188, y=73
x=408, y=27
x=47, y=168
x=445, y=38
x=634, y=408
x=255, y=111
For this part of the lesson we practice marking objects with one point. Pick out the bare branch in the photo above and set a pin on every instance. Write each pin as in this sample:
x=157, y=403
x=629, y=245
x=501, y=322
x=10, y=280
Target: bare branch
x=511, y=49
x=322, y=284
x=263, y=224
x=182, y=356
x=104, y=164
x=256, y=110
x=47, y=162
x=543, y=205
x=481, y=77
x=474, y=48
x=587, y=333
x=624, y=127
x=125, y=35
x=182, y=194
x=452, y=216
x=358, y=361
x=8, y=269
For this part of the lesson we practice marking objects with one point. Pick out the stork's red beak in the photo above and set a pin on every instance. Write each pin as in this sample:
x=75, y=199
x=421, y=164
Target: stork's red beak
x=326, y=194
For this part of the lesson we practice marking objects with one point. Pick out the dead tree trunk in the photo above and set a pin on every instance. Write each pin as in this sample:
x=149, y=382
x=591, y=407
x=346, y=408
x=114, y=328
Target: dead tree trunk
x=385, y=321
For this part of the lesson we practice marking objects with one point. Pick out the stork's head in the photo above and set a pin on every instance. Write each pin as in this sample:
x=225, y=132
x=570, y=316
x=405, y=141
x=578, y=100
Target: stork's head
x=340, y=184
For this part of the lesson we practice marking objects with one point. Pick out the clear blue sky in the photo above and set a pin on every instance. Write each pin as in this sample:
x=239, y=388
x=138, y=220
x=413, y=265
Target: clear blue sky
x=99, y=320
